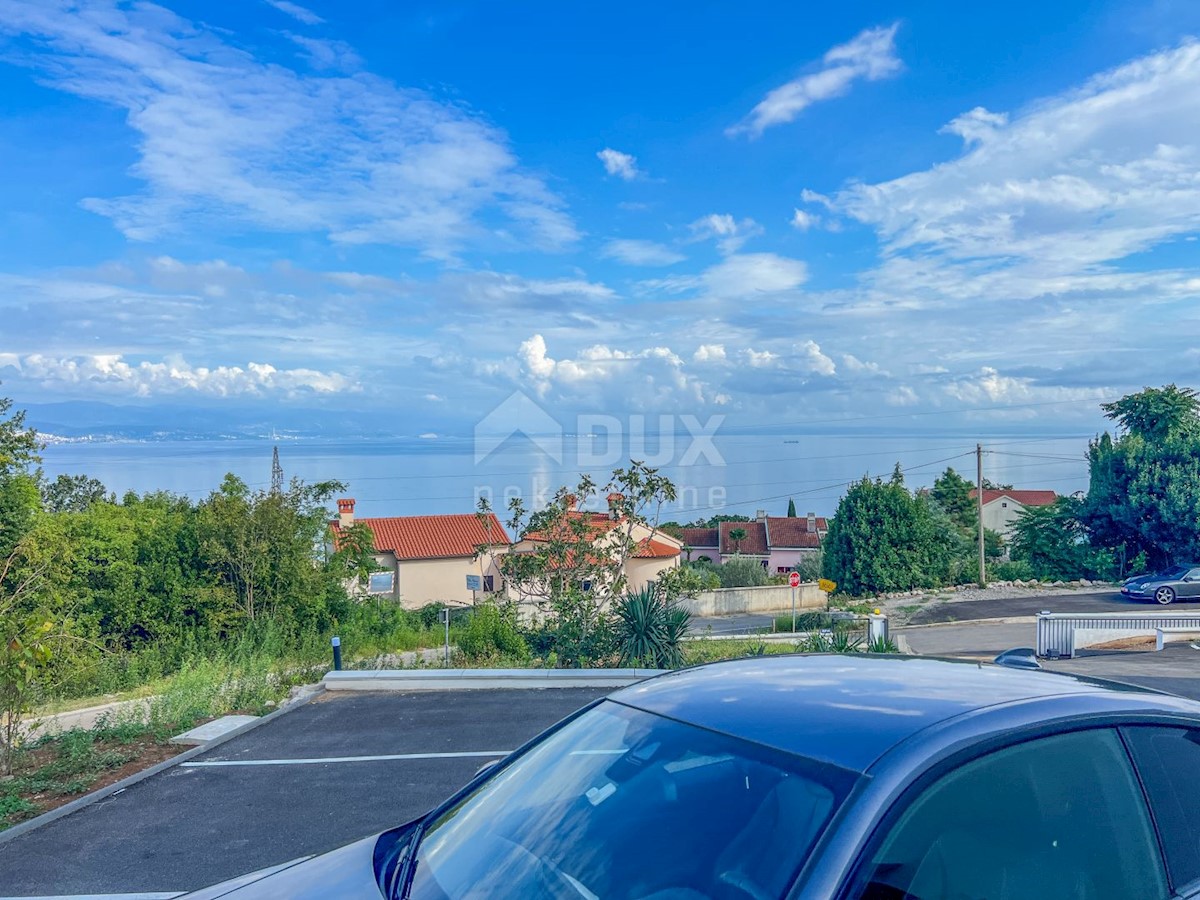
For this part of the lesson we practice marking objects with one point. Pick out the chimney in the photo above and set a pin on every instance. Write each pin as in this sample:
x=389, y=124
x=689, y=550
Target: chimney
x=760, y=516
x=614, y=505
x=812, y=523
x=345, y=512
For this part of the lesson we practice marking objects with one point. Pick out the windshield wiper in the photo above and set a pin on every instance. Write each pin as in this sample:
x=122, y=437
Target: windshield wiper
x=405, y=866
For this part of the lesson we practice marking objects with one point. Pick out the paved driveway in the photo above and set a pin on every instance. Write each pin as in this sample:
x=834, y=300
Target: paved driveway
x=339, y=768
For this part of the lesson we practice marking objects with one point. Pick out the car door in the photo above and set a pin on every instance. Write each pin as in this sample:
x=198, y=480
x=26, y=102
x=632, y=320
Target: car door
x=1168, y=760
x=1060, y=817
x=1189, y=586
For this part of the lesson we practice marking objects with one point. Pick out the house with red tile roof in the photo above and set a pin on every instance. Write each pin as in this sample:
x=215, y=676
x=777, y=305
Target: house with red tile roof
x=653, y=552
x=426, y=559
x=1002, y=508
x=778, y=542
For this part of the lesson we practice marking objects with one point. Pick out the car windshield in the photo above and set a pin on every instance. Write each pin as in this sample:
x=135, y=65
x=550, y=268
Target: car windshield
x=1174, y=572
x=624, y=804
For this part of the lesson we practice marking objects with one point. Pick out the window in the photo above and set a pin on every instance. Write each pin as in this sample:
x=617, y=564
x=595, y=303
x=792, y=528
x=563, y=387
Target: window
x=782, y=570
x=489, y=584
x=1169, y=759
x=620, y=803
x=381, y=582
x=1004, y=504
x=1057, y=817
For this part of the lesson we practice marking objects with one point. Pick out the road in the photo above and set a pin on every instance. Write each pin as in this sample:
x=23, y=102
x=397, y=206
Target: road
x=965, y=611
x=294, y=786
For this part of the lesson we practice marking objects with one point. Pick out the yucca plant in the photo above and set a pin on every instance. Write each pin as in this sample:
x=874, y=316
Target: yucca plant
x=651, y=629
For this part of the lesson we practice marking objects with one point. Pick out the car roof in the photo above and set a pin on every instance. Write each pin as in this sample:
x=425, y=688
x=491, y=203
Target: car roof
x=850, y=710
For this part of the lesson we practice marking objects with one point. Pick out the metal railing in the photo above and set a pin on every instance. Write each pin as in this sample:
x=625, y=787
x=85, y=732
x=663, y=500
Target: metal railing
x=1056, y=631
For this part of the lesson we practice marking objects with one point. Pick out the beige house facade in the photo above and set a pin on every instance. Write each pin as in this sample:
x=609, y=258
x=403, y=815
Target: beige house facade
x=427, y=559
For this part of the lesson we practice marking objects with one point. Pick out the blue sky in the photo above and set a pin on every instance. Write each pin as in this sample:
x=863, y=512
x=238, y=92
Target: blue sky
x=979, y=215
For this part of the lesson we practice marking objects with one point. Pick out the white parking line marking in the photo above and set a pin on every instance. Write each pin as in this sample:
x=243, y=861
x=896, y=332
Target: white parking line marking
x=316, y=761
x=169, y=895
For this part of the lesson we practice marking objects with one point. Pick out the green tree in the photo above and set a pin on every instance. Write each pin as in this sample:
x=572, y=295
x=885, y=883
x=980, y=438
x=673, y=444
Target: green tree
x=953, y=494
x=882, y=538
x=263, y=546
x=737, y=535
x=19, y=499
x=19, y=444
x=29, y=634
x=1053, y=541
x=1144, y=494
x=1157, y=413
x=72, y=493
x=791, y=508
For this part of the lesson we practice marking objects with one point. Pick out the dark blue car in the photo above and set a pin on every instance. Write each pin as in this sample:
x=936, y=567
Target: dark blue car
x=816, y=777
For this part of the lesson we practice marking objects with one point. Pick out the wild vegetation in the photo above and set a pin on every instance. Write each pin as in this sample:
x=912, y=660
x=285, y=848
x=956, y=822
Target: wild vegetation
x=1141, y=513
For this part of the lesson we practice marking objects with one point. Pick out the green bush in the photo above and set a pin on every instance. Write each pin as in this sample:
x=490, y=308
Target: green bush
x=491, y=632
x=742, y=573
x=650, y=629
x=1010, y=570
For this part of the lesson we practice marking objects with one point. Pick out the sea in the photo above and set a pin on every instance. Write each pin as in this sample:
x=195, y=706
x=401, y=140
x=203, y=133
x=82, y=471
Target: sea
x=719, y=474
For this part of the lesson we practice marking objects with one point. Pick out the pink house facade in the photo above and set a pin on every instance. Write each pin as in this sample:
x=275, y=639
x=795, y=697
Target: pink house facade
x=777, y=542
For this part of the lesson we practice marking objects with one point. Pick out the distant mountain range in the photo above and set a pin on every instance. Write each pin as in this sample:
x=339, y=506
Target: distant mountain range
x=80, y=421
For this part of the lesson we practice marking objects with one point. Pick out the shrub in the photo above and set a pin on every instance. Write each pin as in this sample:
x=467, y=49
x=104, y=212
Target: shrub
x=492, y=632
x=742, y=573
x=650, y=629
x=1011, y=570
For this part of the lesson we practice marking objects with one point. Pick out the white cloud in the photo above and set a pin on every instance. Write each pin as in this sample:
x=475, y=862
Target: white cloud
x=435, y=398
x=111, y=373
x=901, y=396
x=636, y=378
x=871, y=55
x=803, y=221
x=706, y=353
x=976, y=125
x=748, y=274
x=297, y=12
x=619, y=164
x=225, y=136
x=760, y=359
x=814, y=360
x=729, y=233
x=1047, y=201
x=641, y=253
x=989, y=386
x=854, y=364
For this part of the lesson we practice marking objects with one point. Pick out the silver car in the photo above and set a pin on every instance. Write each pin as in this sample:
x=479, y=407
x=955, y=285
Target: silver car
x=1176, y=583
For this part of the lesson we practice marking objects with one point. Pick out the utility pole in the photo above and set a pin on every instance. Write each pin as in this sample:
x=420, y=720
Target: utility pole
x=276, y=473
x=979, y=509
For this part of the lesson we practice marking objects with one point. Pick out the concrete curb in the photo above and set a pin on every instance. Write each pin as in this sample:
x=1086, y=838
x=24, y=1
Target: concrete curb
x=999, y=620
x=469, y=679
x=116, y=787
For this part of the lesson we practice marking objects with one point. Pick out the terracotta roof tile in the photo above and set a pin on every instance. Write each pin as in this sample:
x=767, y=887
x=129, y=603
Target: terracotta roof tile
x=598, y=523
x=699, y=537
x=792, y=532
x=1025, y=498
x=433, y=537
x=754, y=544
x=652, y=548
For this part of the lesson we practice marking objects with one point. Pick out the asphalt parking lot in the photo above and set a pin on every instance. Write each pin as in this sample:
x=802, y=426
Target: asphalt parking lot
x=339, y=768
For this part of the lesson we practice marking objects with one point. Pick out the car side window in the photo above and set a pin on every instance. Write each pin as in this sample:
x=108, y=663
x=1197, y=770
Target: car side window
x=1056, y=817
x=1169, y=760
